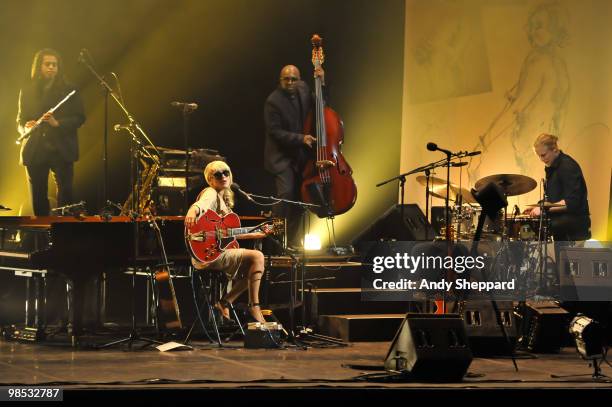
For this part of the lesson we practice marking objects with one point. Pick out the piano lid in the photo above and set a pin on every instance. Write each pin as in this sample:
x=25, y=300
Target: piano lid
x=47, y=221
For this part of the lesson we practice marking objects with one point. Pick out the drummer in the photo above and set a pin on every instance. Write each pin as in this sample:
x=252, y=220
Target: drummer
x=565, y=186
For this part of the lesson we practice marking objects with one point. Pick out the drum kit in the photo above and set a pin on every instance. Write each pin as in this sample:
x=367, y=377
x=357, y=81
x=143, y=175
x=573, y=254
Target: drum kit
x=465, y=211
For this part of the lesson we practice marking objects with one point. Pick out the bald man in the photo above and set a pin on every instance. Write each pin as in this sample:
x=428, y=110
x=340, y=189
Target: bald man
x=286, y=145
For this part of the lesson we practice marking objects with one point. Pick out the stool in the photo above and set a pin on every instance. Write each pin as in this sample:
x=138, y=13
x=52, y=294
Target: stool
x=212, y=283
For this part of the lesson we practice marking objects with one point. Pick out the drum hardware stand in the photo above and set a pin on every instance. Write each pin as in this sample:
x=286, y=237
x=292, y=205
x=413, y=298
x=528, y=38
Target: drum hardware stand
x=595, y=363
x=491, y=199
x=544, y=222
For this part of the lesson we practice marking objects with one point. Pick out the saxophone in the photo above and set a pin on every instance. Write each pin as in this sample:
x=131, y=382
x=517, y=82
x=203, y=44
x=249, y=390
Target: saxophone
x=148, y=174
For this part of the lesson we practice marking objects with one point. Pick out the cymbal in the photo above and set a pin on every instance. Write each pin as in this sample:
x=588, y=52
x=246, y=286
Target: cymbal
x=437, y=187
x=433, y=181
x=4, y=208
x=511, y=184
x=546, y=205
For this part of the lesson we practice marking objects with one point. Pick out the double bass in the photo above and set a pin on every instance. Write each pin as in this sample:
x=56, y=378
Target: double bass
x=327, y=177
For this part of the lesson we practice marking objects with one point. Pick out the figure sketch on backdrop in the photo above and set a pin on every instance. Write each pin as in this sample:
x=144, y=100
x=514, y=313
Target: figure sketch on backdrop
x=537, y=103
x=447, y=60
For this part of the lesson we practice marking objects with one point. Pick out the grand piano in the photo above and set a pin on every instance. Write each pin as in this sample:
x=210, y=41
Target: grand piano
x=82, y=247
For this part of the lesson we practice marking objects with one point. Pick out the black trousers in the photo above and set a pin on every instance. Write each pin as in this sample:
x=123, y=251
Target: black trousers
x=570, y=227
x=288, y=185
x=38, y=179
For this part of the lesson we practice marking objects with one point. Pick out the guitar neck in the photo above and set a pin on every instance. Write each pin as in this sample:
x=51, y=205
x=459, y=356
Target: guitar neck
x=238, y=231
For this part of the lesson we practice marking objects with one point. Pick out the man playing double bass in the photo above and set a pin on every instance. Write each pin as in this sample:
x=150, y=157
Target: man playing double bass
x=286, y=147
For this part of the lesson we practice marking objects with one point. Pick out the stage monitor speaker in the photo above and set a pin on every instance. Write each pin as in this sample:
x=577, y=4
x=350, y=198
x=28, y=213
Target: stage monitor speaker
x=430, y=347
x=545, y=327
x=390, y=226
x=585, y=274
x=483, y=330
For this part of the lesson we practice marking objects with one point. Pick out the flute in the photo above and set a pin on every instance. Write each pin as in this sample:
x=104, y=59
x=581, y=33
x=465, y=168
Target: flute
x=29, y=131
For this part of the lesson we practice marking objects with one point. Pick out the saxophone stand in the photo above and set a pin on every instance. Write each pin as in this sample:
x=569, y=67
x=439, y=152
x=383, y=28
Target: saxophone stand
x=137, y=150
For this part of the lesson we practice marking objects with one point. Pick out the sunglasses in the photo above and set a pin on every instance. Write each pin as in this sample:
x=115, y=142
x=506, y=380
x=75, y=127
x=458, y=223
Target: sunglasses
x=221, y=174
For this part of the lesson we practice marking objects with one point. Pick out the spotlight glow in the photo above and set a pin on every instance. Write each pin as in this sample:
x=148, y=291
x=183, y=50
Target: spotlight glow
x=312, y=242
x=593, y=244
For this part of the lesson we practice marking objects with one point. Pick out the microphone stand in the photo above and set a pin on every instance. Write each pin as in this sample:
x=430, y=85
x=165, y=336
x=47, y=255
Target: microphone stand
x=402, y=179
x=105, y=149
x=127, y=114
x=427, y=168
x=136, y=151
x=185, y=113
x=304, y=333
x=427, y=176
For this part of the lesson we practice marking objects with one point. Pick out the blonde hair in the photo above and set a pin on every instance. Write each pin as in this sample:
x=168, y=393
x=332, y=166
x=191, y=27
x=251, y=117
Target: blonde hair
x=209, y=171
x=547, y=140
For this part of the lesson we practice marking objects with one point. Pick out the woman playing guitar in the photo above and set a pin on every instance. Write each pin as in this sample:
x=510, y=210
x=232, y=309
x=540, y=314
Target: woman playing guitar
x=243, y=266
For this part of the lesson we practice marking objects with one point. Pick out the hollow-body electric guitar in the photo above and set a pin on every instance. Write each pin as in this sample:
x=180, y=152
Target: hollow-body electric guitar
x=212, y=234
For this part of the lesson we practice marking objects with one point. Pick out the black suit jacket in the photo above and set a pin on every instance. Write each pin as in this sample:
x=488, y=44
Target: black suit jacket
x=284, y=145
x=71, y=115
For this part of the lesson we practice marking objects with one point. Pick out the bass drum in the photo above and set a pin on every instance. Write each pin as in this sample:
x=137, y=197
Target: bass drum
x=523, y=228
x=492, y=229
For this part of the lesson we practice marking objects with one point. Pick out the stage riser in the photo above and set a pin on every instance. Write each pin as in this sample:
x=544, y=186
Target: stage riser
x=341, y=302
x=372, y=328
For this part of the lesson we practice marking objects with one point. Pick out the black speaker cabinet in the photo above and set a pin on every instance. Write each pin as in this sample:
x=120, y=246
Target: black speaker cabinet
x=431, y=348
x=546, y=326
x=390, y=226
x=585, y=274
x=483, y=330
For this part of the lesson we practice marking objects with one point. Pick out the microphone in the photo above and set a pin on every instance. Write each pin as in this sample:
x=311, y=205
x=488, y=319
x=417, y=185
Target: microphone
x=184, y=105
x=119, y=127
x=434, y=147
x=461, y=164
x=236, y=188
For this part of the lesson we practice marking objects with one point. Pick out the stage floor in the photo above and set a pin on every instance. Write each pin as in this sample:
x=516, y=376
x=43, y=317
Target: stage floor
x=210, y=367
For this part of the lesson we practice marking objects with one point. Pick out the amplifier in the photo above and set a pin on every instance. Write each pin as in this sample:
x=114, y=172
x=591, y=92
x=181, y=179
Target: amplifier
x=27, y=334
